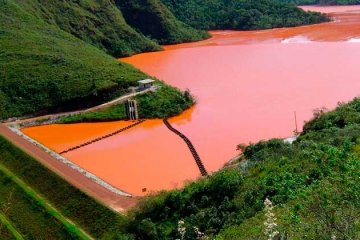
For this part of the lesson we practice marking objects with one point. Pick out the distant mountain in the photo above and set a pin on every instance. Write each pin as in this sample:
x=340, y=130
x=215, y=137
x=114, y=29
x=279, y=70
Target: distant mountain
x=241, y=14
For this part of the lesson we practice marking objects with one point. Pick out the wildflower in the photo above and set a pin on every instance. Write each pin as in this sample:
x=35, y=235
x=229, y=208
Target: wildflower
x=181, y=229
x=200, y=235
x=270, y=222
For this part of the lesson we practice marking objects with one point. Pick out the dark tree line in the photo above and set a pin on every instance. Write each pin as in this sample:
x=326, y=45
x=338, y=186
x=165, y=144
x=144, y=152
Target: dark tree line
x=241, y=14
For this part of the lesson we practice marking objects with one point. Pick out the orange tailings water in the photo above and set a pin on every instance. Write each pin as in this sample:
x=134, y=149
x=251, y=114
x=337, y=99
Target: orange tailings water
x=247, y=86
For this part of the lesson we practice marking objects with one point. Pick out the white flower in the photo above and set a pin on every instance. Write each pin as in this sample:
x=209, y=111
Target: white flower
x=200, y=235
x=181, y=229
x=270, y=222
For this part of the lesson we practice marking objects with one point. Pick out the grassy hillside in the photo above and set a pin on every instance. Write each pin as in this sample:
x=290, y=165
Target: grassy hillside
x=101, y=23
x=35, y=220
x=98, y=22
x=313, y=183
x=28, y=215
x=43, y=68
x=154, y=20
x=241, y=14
x=165, y=102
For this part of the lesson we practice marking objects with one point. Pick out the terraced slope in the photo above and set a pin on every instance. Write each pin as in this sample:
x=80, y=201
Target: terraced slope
x=42, y=67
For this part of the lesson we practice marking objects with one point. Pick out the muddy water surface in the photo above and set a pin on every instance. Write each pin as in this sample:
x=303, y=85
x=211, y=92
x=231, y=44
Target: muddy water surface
x=247, y=86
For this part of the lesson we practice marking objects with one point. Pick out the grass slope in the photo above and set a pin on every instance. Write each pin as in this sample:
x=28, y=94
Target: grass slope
x=73, y=230
x=99, y=221
x=27, y=216
x=43, y=66
x=314, y=184
x=241, y=14
x=7, y=230
x=98, y=22
x=154, y=19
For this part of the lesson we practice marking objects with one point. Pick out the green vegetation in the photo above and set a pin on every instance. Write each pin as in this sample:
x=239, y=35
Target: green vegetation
x=102, y=23
x=314, y=184
x=322, y=2
x=165, y=102
x=7, y=230
x=29, y=216
x=53, y=55
x=154, y=19
x=113, y=113
x=54, y=213
x=241, y=14
x=99, y=23
x=50, y=58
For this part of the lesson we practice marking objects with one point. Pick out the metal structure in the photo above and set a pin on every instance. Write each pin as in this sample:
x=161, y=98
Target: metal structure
x=131, y=110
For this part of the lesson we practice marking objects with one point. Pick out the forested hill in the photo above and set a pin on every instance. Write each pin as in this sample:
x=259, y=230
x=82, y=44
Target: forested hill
x=102, y=24
x=241, y=14
x=322, y=2
x=155, y=20
x=55, y=54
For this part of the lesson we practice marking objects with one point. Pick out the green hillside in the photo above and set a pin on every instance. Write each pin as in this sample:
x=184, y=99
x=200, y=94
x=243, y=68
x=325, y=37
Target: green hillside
x=313, y=183
x=25, y=209
x=44, y=66
x=102, y=24
x=241, y=14
x=154, y=20
x=98, y=22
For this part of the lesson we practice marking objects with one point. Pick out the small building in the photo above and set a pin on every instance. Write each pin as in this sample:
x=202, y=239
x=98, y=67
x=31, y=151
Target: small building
x=146, y=84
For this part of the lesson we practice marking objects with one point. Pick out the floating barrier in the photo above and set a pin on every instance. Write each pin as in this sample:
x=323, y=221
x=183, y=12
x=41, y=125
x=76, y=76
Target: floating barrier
x=101, y=138
x=193, y=151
